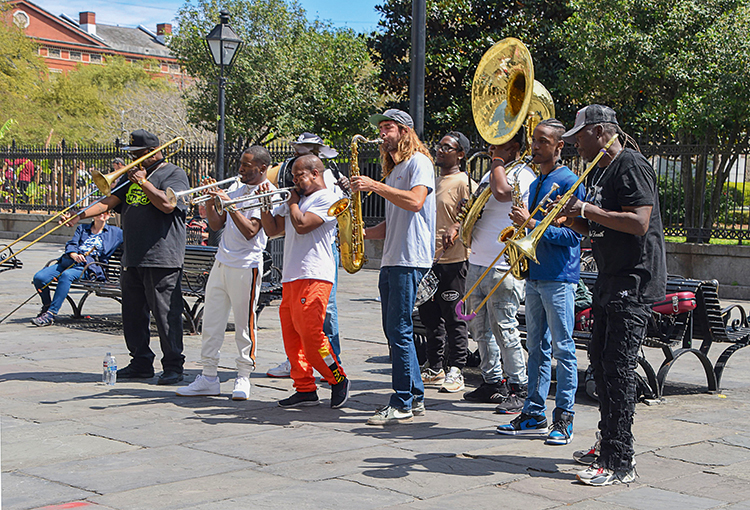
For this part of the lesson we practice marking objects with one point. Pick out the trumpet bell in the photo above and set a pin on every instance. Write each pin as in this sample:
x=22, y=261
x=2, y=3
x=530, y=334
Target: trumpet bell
x=502, y=90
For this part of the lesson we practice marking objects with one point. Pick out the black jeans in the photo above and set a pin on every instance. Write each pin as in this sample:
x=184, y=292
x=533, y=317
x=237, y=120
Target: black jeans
x=156, y=290
x=447, y=335
x=619, y=328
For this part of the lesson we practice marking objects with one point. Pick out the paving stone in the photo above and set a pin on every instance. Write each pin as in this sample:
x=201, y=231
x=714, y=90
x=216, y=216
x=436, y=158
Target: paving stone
x=739, y=470
x=313, y=496
x=482, y=498
x=648, y=498
x=660, y=432
x=742, y=440
x=140, y=468
x=22, y=492
x=593, y=505
x=559, y=487
x=707, y=453
x=652, y=468
x=709, y=485
x=429, y=476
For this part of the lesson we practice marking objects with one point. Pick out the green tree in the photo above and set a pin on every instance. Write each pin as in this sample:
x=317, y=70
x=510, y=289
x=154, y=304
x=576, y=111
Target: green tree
x=676, y=70
x=290, y=76
x=458, y=33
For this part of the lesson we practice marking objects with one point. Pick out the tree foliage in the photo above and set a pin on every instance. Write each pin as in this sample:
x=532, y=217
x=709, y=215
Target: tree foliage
x=458, y=33
x=290, y=76
x=676, y=70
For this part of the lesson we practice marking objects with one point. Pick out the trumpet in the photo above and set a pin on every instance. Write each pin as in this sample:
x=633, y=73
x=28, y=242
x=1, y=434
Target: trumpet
x=104, y=181
x=264, y=201
x=187, y=195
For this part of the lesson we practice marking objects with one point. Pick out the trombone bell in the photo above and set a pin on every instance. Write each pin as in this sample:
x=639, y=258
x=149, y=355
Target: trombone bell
x=527, y=245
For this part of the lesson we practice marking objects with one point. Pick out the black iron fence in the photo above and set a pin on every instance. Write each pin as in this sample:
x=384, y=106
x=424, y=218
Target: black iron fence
x=35, y=179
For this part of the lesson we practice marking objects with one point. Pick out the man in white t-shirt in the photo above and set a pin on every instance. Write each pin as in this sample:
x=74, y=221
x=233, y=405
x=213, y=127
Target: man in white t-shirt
x=495, y=328
x=307, y=278
x=234, y=281
x=408, y=250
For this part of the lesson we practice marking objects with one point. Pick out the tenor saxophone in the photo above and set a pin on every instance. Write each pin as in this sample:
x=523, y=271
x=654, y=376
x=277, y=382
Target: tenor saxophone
x=348, y=212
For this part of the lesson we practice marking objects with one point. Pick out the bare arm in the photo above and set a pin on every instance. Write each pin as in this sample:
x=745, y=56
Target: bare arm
x=376, y=232
x=408, y=199
x=501, y=190
x=631, y=220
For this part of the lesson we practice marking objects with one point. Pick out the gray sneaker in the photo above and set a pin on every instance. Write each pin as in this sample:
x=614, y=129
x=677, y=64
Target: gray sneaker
x=390, y=416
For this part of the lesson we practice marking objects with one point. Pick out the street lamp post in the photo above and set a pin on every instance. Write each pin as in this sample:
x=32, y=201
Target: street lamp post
x=223, y=44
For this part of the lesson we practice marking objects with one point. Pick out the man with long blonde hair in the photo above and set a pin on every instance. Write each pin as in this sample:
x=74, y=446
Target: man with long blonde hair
x=408, y=250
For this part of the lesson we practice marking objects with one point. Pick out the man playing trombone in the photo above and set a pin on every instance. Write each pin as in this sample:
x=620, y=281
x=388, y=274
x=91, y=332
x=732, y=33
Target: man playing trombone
x=234, y=281
x=153, y=254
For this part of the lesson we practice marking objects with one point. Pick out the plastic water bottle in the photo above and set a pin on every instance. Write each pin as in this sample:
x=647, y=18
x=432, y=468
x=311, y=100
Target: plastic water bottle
x=105, y=368
x=112, y=367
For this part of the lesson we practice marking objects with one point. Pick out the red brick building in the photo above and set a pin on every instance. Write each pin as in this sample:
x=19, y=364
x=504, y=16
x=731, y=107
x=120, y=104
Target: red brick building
x=65, y=43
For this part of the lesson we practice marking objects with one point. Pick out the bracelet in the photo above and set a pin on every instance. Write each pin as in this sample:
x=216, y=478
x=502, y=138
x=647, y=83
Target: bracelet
x=583, y=208
x=498, y=158
x=140, y=183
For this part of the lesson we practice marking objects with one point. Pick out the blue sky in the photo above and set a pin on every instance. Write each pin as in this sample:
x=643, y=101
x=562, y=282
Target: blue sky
x=359, y=15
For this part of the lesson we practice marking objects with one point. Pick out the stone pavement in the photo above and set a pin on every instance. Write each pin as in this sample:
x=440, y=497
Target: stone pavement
x=70, y=442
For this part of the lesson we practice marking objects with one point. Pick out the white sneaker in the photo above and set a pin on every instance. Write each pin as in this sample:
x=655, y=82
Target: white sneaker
x=283, y=370
x=241, y=388
x=201, y=387
x=454, y=381
x=389, y=416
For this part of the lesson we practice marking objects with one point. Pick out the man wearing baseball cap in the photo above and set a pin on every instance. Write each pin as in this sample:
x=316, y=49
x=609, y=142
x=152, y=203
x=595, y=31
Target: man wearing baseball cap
x=408, y=250
x=621, y=216
x=153, y=254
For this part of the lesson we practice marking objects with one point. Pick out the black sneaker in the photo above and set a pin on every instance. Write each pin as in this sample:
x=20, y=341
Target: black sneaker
x=513, y=403
x=488, y=393
x=524, y=424
x=130, y=372
x=301, y=399
x=340, y=393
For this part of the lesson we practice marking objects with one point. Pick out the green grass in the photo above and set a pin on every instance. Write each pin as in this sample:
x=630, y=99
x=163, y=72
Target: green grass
x=682, y=239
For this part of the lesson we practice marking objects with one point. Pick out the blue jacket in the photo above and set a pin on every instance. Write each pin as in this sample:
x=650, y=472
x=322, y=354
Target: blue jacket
x=559, y=250
x=111, y=239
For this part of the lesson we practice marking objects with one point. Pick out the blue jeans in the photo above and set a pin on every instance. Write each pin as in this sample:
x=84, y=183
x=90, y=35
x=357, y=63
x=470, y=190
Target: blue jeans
x=331, y=323
x=398, y=289
x=550, y=315
x=495, y=328
x=65, y=277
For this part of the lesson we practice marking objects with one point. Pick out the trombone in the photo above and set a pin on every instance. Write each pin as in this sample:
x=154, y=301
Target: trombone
x=527, y=245
x=103, y=183
x=264, y=201
x=174, y=196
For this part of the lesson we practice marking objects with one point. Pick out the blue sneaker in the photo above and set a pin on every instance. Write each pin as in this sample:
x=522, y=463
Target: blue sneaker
x=524, y=424
x=562, y=428
x=45, y=319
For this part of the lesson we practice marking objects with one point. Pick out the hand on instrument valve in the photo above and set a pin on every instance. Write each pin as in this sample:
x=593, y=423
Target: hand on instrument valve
x=519, y=214
x=294, y=196
x=344, y=184
x=363, y=183
x=449, y=236
x=503, y=152
x=571, y=210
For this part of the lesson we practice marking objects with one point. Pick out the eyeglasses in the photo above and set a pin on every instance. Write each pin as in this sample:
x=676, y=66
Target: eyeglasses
x=445, y=148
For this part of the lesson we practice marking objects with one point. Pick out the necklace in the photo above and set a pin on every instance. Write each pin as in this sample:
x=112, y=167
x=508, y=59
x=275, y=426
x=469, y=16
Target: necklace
x=604, y=170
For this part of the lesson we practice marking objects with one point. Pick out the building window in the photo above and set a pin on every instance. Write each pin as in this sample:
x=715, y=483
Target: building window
x=174, y=68
x=75, y=55
x=95, y=58
x=21, y=19
x=54, y=53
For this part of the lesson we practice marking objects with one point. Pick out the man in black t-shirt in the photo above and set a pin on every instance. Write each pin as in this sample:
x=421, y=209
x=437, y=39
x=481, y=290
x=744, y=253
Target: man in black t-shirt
x=621, y=216
x=153, y=254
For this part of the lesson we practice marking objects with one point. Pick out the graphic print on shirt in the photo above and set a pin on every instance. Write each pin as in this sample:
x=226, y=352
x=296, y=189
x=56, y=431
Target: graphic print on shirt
x=136, y=196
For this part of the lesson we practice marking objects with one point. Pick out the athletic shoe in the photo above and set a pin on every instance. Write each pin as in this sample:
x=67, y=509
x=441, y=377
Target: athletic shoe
x=282, y=370
x=417, y=408
x=600, y=476
x=588, y=457
x=390, y=416
x=432, y=377
x=202, y=387
x=45, y=319
x=562, y=428
x=488, y=393
x=301, y=399
x=510, y=405
x=524, y=424
x=43, y=309
x=340, y=393
x=454, y=381
x=241, y=389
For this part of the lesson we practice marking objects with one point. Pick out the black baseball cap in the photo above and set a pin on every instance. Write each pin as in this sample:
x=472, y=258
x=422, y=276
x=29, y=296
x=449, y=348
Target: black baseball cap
x=395, y=115
x=459, y=137
x=141, y=139
x=592, y=114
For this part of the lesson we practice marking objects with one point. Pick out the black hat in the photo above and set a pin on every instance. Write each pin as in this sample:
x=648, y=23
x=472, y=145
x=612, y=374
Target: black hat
x=393, y=114
x=592, y=114
x=141, y=139
x=459, y=137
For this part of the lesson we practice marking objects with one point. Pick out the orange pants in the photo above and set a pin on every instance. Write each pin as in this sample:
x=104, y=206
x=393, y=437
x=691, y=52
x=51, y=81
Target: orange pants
x=302, y=312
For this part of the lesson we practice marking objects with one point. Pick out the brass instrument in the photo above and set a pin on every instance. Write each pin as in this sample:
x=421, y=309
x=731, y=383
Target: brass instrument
x=502, y=100
x=527, y=245
x=519, y=266
x=348, y=212
x=264, y=201
x=104, y=183
x=187, y=196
